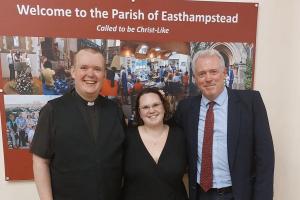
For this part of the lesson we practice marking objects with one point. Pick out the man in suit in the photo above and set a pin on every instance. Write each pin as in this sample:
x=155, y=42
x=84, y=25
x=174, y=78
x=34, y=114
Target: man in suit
x=230, y=147
x=77, y=146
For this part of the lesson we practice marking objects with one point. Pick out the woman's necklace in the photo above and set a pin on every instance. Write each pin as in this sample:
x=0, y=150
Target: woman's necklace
x=154, y=141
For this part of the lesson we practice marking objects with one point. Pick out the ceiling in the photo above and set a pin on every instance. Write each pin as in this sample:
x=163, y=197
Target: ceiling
x=162, y=50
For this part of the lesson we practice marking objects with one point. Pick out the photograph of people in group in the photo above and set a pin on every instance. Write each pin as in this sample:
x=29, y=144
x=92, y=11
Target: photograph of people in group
x=42, y=66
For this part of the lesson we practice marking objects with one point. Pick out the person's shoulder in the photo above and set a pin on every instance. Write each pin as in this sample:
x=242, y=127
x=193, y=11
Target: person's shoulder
x=47, y=109
x=244, y=93
x=177, y=134
x=107, y=102
x=61, y=99
x=174, y=129
x=189, y=101
x=131, y=132
x=247, y=97
x=111, y=107
x=131, y=129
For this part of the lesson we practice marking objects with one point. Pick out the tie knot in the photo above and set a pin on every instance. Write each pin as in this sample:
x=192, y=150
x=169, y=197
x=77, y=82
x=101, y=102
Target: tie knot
x=211, y=104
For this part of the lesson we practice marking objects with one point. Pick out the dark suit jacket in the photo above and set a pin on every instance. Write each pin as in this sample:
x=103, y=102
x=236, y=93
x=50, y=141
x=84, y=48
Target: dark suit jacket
x=250, y=146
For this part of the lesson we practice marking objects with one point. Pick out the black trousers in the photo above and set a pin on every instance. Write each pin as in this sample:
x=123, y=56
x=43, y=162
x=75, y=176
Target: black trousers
x=11, y=72
x=22, y=138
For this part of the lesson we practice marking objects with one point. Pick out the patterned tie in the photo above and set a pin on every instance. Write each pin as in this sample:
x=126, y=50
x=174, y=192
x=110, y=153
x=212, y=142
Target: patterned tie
x=206, y=165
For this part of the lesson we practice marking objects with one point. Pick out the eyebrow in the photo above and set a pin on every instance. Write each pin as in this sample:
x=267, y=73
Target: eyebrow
x=151, y=104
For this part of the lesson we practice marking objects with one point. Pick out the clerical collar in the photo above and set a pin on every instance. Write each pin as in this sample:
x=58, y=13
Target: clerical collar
x=88, y=103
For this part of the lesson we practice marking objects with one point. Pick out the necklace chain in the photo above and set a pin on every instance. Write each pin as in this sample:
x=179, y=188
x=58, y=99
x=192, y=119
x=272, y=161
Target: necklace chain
x=155, y=141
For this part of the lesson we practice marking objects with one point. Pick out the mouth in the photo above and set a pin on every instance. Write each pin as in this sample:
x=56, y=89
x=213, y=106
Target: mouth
x=90, y=82
x=153, y=116
x=209, y=86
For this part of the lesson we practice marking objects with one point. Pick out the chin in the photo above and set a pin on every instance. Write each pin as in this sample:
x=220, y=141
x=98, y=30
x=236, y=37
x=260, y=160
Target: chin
x=155, y=123
x=92, y=90
x=150, y=123
x=209, y=96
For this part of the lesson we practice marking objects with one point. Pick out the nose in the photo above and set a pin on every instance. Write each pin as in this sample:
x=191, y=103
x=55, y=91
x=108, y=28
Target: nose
x=90, y=72
x=208, y=77
x=151, y=109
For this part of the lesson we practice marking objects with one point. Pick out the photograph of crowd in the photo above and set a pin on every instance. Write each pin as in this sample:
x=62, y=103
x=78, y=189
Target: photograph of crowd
x=41, y=66
x=34, y=66
x=22, y=113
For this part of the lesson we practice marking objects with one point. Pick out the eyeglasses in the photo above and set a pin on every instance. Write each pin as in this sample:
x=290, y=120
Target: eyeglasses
x=154, y=106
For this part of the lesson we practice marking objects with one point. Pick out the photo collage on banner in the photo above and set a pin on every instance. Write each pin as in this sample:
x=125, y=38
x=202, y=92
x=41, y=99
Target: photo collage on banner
x=35, y=65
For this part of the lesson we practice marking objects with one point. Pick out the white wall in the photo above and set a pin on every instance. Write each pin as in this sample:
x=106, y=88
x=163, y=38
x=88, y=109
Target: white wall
x=276, y=77
x=278, y=56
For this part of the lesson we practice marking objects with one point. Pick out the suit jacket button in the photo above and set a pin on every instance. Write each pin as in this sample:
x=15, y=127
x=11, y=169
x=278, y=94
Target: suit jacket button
x=193, y=187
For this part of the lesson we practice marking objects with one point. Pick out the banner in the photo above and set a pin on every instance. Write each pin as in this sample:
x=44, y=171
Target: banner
x=145, y=43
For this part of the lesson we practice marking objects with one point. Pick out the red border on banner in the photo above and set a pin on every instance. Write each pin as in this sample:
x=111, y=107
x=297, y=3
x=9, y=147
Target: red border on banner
x=18, y=162
x=243, y=31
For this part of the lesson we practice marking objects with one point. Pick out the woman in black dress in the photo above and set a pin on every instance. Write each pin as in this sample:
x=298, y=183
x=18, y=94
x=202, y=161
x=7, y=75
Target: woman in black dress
x=155, y=153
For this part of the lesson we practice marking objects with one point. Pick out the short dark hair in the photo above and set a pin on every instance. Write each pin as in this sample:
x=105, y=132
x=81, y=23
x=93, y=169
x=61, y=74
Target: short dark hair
x=89, y=49
x=165, y=104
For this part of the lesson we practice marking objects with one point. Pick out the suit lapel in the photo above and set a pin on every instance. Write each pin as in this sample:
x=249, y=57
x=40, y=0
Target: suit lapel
x=193, y=123
x=233, y=125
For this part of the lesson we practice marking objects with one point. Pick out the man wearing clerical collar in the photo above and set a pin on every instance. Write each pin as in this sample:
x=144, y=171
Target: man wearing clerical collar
x=88, y=73
x=77, y=146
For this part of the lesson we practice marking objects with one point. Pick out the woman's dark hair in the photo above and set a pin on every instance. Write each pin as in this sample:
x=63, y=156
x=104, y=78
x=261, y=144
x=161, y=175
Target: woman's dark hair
x=163, y=100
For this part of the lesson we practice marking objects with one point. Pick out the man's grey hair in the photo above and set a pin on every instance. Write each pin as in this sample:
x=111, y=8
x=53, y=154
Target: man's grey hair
x=208, y=53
